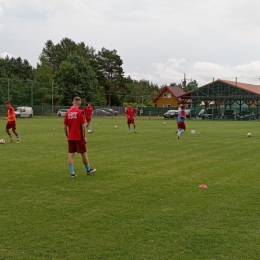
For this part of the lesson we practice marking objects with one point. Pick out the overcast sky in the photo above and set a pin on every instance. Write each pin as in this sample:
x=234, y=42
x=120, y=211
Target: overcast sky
x=158, y=40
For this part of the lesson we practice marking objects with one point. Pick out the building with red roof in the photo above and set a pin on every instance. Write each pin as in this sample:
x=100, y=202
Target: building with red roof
x=225, y=94
x=168, y=97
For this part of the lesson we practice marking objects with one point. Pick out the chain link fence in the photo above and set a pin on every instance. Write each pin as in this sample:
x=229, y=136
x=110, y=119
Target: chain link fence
x=43, y=98
x=47, y=110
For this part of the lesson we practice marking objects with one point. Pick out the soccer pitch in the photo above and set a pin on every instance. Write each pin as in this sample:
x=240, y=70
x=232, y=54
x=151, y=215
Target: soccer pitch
x=143, y=202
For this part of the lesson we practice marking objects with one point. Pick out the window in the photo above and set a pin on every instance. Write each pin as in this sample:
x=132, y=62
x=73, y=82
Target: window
x=167, y=95
x=166, y=105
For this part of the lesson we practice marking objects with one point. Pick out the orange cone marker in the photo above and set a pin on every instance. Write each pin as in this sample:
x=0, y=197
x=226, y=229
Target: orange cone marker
x=203, y=186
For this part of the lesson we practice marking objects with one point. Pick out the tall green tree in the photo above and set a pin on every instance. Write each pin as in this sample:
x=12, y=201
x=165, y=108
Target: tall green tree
x=140, y=92
x=173, y=84
x=4, y=82
x=44, y=89
x=191, y=86
x=20, y=92
x=110, y=73
x=43, y=71
x=55, y=54
x=76, y=77
x=16, y=76
x=15, y=68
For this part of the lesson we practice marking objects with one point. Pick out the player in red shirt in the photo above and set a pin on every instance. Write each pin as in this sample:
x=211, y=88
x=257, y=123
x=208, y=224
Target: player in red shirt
x=88, y=110
x=75, y=130
x=11, y=122
x=130, y=115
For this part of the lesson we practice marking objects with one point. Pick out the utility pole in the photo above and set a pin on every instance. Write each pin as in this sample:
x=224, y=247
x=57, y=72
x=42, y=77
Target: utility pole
x=184, y=81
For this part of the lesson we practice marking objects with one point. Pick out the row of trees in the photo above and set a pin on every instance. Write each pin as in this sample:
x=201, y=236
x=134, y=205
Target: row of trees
x=68, y=69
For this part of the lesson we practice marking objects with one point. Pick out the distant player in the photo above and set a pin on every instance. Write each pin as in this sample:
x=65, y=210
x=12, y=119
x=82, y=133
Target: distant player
x=88, y=111
x=75, y=130
x=180, y=121
x=179, y=109
x=130, y=115
x=11, y=122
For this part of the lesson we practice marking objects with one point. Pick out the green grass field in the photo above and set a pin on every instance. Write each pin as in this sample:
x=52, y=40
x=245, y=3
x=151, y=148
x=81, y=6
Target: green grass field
x=142, y=203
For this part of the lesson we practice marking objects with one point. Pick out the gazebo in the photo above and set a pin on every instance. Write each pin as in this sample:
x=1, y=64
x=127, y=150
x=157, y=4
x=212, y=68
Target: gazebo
x=225, y=94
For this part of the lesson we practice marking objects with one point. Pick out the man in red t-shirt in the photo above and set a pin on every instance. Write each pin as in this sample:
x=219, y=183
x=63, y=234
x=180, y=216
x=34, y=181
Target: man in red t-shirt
x=130, y=115
x=75, y=130
x=11, y=122
x=88, y=110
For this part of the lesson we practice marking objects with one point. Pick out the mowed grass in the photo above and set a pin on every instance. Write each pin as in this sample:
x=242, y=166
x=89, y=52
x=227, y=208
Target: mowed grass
x=143, y=202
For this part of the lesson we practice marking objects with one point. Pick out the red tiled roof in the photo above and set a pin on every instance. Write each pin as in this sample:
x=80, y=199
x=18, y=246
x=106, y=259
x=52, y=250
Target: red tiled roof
x=245, y=86
x=176, y=91
x=248, y=87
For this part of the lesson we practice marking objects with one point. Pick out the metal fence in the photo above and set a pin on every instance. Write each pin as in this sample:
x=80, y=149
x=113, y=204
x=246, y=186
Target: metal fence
x=30, y=93
x=48, y=110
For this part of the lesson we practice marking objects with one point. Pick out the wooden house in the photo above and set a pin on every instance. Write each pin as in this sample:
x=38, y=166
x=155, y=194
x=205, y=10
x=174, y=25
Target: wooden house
x=168, y=97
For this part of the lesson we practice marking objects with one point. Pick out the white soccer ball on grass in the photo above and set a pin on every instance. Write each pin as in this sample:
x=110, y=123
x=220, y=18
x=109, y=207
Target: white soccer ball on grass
x=249, y=134
x=2, y=141
x=115, y=126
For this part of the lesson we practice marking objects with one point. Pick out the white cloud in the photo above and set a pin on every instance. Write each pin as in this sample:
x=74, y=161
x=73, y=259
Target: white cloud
x=1, y=10
x=5, y=54
x=140, y=76
x=43, y=5
x=1, y=14
x=162, y=73
x=203, y=72
x=158, y=40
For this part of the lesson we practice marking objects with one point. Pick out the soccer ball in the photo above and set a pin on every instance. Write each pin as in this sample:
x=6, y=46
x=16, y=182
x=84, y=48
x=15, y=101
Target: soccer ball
x=115, y=126
x=249, y=134
x=164, y=123
x=90, y=131
x=2, y=141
